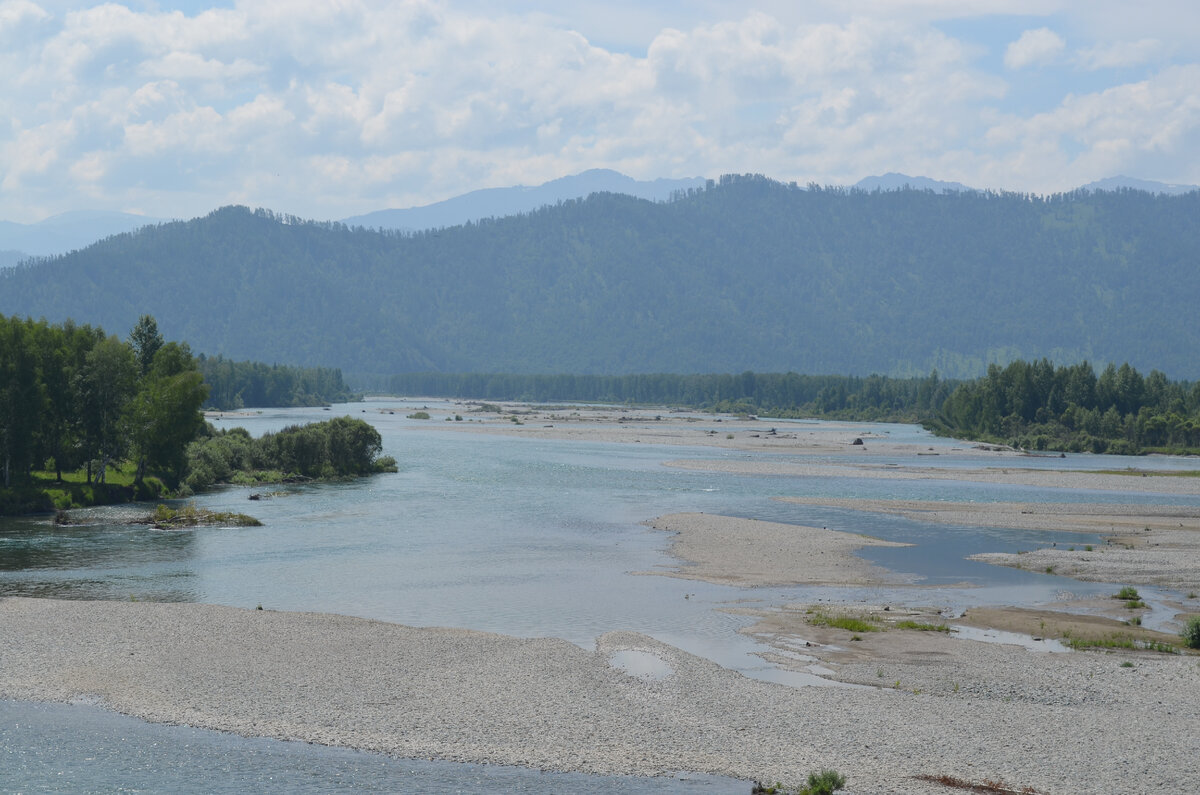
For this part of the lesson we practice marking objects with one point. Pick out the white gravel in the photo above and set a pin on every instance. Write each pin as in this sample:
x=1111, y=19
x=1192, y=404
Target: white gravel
x=1069, y=723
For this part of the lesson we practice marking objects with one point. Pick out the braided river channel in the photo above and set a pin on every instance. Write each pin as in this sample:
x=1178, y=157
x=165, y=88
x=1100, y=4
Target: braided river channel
x=530, y=537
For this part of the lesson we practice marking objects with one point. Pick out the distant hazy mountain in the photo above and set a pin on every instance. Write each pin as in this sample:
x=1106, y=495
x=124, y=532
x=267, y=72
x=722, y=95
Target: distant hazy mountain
x=894, y=181
x=745, y=274
x=59, y=234
x=502, y=202
x=1119, y=182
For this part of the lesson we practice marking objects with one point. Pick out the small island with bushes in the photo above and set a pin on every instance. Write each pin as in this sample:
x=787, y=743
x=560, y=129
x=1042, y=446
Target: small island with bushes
x=336, y=448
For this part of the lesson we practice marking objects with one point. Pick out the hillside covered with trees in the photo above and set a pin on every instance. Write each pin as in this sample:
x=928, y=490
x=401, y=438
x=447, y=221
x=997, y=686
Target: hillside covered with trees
x=747, y=273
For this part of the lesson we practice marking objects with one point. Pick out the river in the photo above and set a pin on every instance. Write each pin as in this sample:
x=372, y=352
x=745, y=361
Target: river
x=527, y=537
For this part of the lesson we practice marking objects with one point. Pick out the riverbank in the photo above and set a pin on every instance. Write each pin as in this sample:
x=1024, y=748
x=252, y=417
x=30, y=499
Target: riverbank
x=744, y=552
x=1146, y=544
x=1058, y=723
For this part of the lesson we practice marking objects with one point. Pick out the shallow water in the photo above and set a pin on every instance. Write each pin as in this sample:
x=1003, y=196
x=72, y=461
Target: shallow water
x=525, y=537
x=84, y=749
x=536, y=537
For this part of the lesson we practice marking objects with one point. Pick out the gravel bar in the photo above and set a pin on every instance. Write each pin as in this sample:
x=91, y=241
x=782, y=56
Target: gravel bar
x=546, y=703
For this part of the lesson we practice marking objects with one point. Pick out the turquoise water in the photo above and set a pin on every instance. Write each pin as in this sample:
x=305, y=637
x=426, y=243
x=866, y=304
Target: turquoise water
x=531, y=538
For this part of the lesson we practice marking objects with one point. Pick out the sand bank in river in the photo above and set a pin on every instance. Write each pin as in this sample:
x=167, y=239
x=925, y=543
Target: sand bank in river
x=747, y=552
x=995, y=472
x=689, y=428
x=1147, y=544
x=1059, y=723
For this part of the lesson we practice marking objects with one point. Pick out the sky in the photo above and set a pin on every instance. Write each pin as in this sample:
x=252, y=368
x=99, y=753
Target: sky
x=330, y=108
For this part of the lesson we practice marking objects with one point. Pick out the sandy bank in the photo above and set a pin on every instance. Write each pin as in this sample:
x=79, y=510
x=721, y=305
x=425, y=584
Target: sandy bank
x=664, y=426
x=1147, y=544
x=746, y=552
x=994, y=473
x=1074, y=723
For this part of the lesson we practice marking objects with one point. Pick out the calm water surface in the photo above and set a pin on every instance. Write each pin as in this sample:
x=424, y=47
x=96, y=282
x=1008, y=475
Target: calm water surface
x=526, y=537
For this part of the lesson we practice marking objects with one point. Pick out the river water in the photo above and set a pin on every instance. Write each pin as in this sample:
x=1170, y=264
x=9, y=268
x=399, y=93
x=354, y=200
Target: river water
x=524, y=537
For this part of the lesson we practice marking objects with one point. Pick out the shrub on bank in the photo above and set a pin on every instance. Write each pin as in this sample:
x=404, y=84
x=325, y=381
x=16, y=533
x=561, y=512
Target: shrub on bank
x=1191, y=632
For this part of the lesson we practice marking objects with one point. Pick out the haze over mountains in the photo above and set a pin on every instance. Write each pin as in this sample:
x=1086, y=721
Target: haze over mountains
x=69, y=231
x=745, y=273
x=500, y=202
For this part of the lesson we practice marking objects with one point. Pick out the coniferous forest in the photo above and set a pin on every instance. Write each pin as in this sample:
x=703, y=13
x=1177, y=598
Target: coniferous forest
x=747, y=273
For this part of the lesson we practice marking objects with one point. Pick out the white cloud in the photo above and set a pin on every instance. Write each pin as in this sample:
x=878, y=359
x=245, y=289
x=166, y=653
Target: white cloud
x=327, y=109
x=1123, y=53
x=1132, y=128
x=1034, y=47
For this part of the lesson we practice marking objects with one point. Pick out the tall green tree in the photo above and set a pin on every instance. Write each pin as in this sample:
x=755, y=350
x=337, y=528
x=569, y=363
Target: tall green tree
x=21, y=399
x=146, y=342
x=164, y=415
x=106, y=383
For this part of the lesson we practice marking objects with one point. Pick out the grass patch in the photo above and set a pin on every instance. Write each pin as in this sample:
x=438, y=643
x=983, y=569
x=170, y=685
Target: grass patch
x=419, y=415
x=43, y=492
x=825, y=782
x=845, y=621
x=1118, y=640
x=1137, y=473
x=1128, y=593
x=921, y=626
x=167, y=518
x=1135, y=604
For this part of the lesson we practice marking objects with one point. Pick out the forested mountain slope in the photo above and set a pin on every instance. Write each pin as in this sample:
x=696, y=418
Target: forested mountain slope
x=748, y=274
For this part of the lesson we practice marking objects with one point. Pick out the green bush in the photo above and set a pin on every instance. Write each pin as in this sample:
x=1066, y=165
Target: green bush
x=1191, y=632
x=340, y=447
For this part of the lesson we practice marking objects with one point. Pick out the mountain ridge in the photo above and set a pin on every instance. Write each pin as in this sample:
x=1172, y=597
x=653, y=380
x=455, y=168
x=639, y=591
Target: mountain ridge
x=77, y=229
x=503, y=202
x=745, y=274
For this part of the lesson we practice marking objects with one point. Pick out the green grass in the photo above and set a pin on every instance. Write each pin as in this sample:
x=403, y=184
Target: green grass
x=1128, y=593
x=166, y=517
x=847, y=622
x=921, y=626
x=1135, y=604
x=1137, y=473
x=826, y=782
x=1118, y=640
x=44, y=493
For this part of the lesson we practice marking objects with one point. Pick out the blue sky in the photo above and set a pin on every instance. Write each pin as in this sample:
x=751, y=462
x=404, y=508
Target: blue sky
x=332, y=108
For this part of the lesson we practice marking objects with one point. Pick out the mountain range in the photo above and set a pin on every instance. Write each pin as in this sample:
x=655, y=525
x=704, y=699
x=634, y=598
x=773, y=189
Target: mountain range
x=68, y=231
x=744, y=273
x=501, y=202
